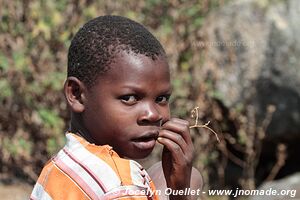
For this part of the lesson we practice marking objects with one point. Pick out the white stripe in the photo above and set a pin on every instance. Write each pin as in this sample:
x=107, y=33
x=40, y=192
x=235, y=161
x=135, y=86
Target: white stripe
x=136, y=169
x=99, y=167
x=39, y=193
x=135, y=172
x=64, y=158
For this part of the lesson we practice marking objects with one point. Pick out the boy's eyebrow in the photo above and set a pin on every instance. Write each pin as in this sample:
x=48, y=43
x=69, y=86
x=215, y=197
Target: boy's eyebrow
x=170, y=90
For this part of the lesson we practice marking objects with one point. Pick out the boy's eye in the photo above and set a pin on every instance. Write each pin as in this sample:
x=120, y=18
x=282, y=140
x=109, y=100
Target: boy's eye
x=163, y=99
x=129, y=99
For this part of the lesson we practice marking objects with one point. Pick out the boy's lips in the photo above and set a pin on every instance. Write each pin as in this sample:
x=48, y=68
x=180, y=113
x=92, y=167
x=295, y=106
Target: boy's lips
x=146, y=141
x=146, y=136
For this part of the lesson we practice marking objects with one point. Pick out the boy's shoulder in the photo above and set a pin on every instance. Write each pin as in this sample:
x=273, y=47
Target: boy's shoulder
x=52, y=184
x=101, y=162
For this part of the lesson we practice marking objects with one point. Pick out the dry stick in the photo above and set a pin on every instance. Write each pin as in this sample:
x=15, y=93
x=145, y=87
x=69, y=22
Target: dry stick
x=195, y=113
x=231, y=156
x=281, y=158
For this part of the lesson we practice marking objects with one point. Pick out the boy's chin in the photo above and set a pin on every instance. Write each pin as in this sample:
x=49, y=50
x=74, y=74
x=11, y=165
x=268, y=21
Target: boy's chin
x=138, y=155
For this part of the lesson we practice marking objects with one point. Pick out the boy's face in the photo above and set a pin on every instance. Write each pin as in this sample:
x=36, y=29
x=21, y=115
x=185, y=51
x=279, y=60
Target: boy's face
x=128, y=104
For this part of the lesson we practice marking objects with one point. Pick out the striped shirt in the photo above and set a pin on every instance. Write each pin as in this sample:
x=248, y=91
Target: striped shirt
x=82, y=170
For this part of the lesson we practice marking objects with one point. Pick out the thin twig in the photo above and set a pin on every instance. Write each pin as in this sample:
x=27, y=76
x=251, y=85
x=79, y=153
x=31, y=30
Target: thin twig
x=281, y=155
x=196, y=125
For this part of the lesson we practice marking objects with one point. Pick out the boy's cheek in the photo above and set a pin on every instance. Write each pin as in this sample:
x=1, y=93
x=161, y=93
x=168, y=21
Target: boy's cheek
x=166, y=116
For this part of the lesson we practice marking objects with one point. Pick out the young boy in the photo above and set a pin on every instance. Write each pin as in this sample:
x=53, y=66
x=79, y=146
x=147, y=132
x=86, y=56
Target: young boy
x=117, y=89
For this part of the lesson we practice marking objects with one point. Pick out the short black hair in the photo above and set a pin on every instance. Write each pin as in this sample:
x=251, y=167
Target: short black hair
x=95, y=45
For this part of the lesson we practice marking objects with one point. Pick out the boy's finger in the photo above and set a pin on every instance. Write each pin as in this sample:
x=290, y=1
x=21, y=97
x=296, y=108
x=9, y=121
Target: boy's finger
x=179, y=128
x=177, y=138
x=175, y=149
x=181, y=121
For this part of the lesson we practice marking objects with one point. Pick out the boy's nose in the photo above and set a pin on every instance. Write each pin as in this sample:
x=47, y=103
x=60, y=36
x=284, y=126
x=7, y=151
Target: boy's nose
x=150, y=115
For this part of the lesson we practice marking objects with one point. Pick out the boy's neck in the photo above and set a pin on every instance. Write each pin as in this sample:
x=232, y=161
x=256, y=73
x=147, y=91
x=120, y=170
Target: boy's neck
x=77, y=128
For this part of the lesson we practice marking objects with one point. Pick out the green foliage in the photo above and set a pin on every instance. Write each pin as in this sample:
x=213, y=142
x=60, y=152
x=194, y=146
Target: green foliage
x=5, y=89
x=3, y=62
x=53, y=144
x=17, y=147
x=49, y=117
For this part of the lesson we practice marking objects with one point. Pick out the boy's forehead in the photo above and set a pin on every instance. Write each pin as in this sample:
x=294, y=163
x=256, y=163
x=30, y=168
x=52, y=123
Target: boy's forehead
x=139, y=65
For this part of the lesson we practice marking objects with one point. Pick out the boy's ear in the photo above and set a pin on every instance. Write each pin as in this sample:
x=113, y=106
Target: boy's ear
x=75, y=94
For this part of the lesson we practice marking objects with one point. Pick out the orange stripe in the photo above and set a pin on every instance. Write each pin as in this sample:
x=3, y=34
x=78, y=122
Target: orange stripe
x=124, y=169
x=45, y=172
x=155, y=197
x=59, y=186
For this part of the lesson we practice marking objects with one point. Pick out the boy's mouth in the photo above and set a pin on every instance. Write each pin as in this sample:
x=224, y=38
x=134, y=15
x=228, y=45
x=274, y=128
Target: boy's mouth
x=146, y=141
x=147, y=136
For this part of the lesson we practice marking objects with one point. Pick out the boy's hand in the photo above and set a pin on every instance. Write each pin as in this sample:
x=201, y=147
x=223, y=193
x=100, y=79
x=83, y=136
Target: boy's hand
x=177, y=154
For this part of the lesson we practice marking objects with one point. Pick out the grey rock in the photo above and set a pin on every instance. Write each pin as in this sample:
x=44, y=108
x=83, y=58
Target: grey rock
x=252, y=51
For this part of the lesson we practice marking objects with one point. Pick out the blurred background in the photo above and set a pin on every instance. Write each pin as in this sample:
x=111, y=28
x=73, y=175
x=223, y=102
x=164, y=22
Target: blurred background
x=237, y=61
